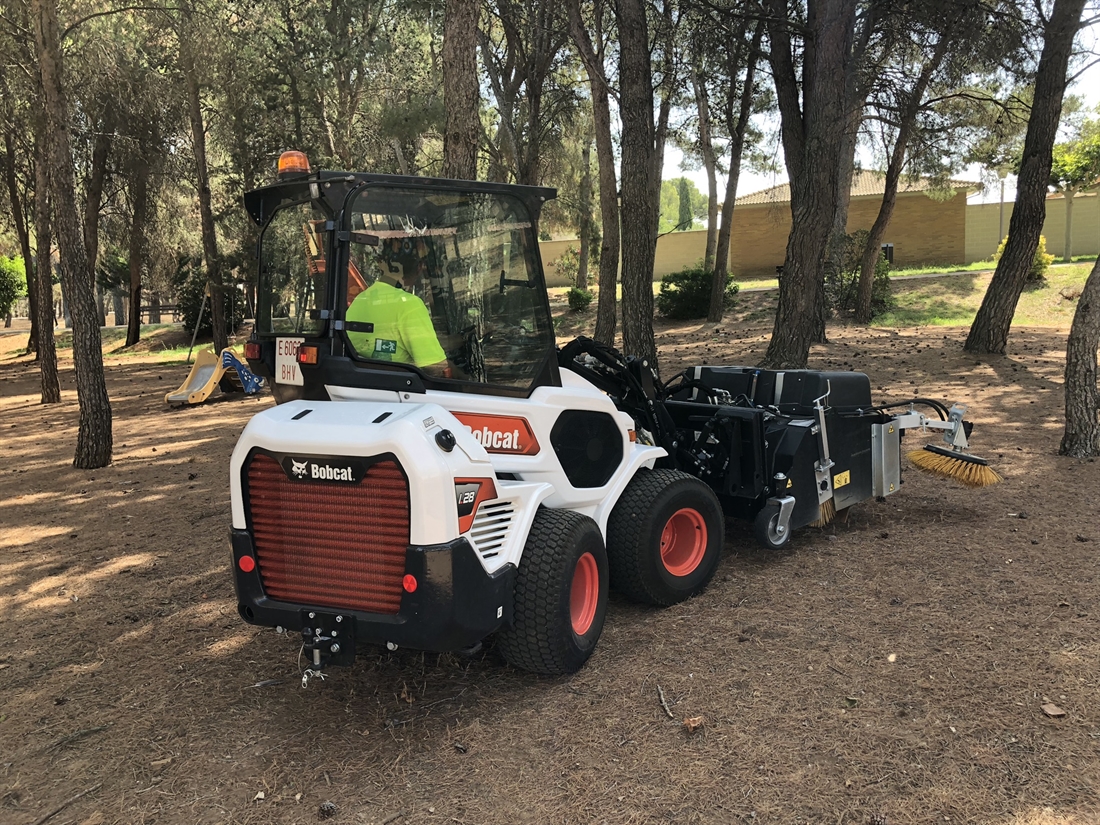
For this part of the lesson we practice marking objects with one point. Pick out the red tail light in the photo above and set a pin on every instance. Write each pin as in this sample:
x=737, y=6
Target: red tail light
x=252, y=351
x=308, y=354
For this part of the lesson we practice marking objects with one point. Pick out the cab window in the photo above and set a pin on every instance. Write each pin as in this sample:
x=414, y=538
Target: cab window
x=293, y=279
x=460, y=268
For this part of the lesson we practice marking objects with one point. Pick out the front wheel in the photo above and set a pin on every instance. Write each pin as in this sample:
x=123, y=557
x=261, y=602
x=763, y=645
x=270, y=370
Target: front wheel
x=664, y=537
x=560, y=596
x=767, y=530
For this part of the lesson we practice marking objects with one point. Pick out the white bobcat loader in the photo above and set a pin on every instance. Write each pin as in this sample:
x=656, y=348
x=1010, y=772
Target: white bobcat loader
x=381, y=504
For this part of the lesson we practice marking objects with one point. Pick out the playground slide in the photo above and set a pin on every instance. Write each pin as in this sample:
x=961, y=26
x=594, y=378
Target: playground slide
x=211, y=370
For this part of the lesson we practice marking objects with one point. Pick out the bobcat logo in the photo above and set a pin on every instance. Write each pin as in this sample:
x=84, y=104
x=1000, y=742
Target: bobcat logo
x=299, y=468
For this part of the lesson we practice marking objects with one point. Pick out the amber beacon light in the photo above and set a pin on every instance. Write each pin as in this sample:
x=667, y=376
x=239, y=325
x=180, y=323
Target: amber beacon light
x=293, y=163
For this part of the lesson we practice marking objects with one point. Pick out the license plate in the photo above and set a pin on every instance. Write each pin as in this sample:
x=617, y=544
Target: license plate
x=287, y=370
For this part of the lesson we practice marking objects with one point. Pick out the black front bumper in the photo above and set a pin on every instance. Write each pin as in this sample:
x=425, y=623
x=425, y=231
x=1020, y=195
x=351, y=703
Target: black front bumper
x=455, y=604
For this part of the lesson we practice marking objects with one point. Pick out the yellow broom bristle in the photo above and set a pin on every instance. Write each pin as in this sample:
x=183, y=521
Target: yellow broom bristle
x=828, y=511
x=960, y=467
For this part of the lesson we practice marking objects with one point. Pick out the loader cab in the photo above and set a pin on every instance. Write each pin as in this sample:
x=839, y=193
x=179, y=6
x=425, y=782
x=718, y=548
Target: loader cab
x=456, y=259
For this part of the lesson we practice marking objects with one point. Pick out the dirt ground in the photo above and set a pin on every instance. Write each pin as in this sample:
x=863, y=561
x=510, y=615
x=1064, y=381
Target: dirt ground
x=891, y=667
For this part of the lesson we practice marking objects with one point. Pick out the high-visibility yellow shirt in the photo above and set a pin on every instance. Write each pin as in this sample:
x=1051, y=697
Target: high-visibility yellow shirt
x=402, y=327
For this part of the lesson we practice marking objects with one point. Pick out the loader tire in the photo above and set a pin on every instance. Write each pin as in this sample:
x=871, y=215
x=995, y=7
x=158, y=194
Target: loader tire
x=664, y=537
x=560, y=595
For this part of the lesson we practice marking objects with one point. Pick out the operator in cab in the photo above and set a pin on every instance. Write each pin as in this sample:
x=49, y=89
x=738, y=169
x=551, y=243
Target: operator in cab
x=388, y=323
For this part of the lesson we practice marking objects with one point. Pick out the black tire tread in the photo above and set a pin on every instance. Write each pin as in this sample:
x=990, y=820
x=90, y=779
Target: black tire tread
x=533, y=642
x=625, y=528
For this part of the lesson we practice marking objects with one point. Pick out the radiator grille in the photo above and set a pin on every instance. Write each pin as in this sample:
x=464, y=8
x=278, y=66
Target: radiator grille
x=490, y=527
x=330, y=544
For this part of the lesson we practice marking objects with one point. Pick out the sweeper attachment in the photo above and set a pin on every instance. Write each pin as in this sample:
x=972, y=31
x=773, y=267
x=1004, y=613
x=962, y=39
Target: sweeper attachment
x=468, y=479
x=782, y=449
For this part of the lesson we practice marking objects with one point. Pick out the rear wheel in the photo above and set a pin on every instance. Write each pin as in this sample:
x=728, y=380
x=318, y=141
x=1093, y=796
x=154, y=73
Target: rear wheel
x=664, y=537
x=560, y=596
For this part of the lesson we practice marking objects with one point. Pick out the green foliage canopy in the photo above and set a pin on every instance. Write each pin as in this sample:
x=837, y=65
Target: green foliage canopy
x=1076, y=163
x=681, y=205
x=13, y=282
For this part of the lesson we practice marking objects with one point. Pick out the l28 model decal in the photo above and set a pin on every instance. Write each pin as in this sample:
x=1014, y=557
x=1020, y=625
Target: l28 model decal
x=507, y=434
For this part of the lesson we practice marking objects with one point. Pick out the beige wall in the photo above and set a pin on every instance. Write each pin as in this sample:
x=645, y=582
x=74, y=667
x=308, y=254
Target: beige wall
x=923, y=231
x=758, y=238
x=983, y=236
x=674, y=251
x=550, y=252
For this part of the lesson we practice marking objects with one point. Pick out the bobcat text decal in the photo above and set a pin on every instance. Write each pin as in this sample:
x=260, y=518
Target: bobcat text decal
x=349, y=471
x=506, y=434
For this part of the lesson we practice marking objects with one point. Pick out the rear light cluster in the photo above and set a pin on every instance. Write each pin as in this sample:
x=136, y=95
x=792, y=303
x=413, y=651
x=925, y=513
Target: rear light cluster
x=252, y=351
x=331, y=544
x=308, y=354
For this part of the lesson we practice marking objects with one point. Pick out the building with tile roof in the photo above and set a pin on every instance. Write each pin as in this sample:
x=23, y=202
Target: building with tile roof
x=928, y=225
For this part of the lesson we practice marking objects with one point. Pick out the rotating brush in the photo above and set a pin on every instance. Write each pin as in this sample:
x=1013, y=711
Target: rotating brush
x=964, y=468
x=826, y=515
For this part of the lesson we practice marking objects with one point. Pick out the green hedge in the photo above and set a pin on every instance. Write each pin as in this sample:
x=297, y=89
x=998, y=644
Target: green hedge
x=686, y=294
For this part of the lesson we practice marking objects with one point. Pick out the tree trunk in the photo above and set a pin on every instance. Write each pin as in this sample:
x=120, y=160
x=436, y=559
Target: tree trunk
x=1067, y=250
x=140, y=197
x=668, y=91
x=94, y=438
x=461, y=97
x=47, y=346
x=989, y=332
x=118, y=301
x=19, y=220
x=399, y=156
x=32, y=302
x=639, y=232
x=812, y=143
x=585, y=217
x=154, y=308
x=285, y=11
x=607, y=304
x=838, y=236
x=97, y=174
x=202, y=180
x=100, y=303
x=737, y=123
x=1081, y=438
x=706, y=148
x=873, y=250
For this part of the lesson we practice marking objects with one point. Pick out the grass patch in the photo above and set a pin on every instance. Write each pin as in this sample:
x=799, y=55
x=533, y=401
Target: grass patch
x=954, y=300
x=938, y=269
x=756, y=283
x=112, y=336
x=166, y=354
x=166, y=343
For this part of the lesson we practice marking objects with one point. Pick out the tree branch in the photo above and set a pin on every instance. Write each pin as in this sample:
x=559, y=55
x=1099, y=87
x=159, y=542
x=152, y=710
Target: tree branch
x=65, y=34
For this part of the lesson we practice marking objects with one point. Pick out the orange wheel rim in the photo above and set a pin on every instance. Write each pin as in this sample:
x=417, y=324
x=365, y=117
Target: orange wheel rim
x=683, y=542
x=584, y=594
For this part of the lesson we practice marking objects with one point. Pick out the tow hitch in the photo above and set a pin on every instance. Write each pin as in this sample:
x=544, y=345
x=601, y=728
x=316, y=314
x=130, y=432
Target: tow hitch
x=328, y=638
